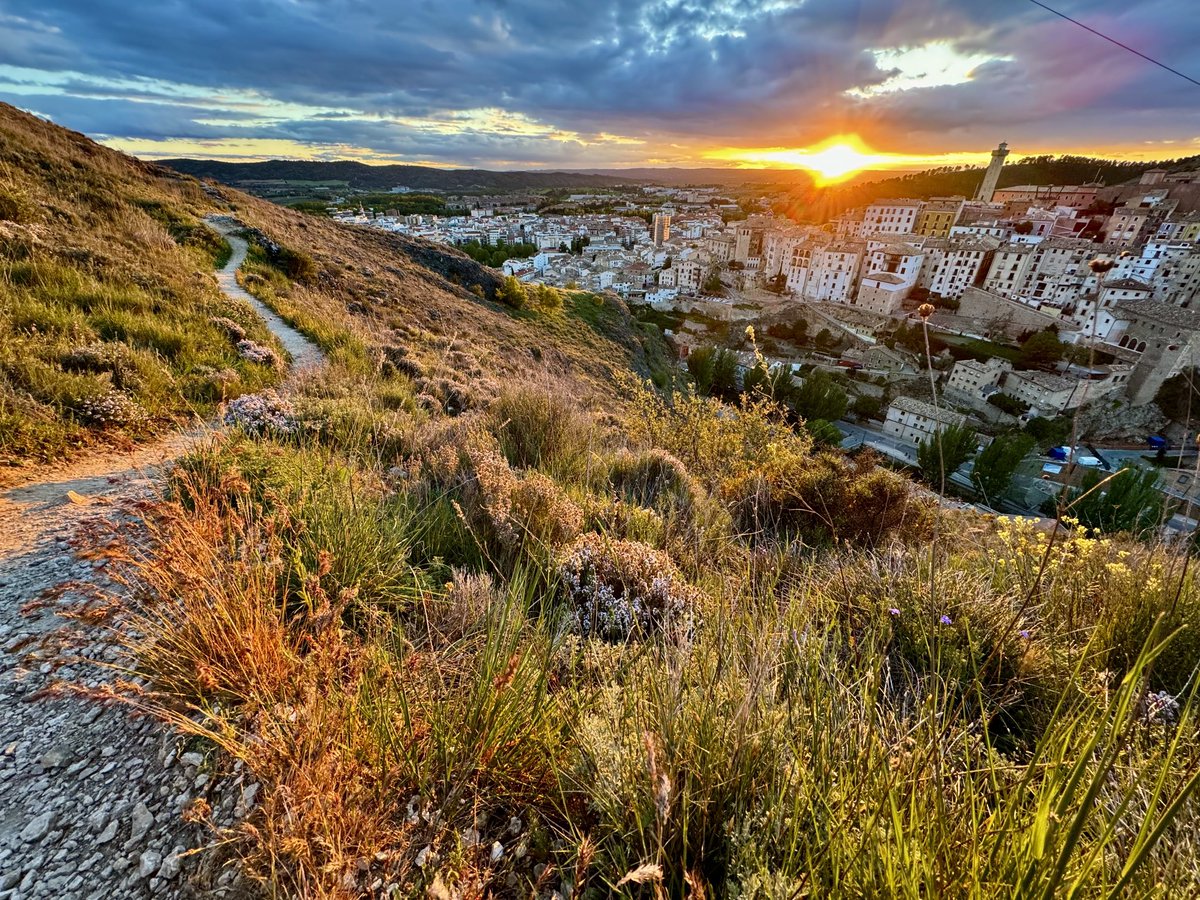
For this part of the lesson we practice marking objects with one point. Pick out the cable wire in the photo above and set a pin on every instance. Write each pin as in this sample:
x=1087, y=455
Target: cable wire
x=1101, y=34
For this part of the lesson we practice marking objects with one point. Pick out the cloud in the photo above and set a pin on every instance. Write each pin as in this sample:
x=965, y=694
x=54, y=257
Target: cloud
x=486, y=82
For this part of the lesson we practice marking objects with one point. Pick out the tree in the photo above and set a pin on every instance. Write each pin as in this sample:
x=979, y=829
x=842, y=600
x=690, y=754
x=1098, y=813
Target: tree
x=819, y=398
x=512, y=293
x=1023, y=227
x=1048, y=432
x=1042, y=350
x=712, y=283
x=957, y=444
x=714, y=370
x=1014, y=406
x=1129, y=500
x=1179, y=396
x=825, y=339
x=996, y=464
x=775, y=383
x=823, y=433
x=867, y=407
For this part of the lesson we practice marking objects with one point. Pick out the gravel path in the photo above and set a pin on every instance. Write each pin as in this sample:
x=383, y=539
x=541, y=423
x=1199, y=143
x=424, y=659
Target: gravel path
x=90, y=797
x=305, y=355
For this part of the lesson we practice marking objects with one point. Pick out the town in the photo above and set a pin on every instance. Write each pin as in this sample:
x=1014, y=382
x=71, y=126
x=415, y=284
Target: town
x=1025, y=330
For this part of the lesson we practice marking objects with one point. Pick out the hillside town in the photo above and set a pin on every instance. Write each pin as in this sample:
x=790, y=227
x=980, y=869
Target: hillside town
x=991, y=274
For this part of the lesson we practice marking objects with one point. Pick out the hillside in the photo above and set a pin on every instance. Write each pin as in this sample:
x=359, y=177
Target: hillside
x=950, y=181
x=111, y=328
x=363, y=177
x=473, y=608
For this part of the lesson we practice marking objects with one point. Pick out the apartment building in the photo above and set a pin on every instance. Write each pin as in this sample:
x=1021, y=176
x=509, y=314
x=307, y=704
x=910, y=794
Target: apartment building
x=891, y=217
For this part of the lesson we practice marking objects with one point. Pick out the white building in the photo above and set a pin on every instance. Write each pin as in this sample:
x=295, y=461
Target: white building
x=915, y=421
x=891, y=217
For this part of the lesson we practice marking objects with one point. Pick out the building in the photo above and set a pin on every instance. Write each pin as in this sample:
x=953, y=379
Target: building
x=891, y=217
x=661, y=229
x=883, y=293
x=992, y=176
x=1097, y=317
x=991, y=315
x=951, y=265
x=1010, y=269
x=1166, y=339
x=894, y=257
x=834, y=272
x=915, y=421
x=938, y=216
x=977, y=380
x=1047, y=196
x=748, y=245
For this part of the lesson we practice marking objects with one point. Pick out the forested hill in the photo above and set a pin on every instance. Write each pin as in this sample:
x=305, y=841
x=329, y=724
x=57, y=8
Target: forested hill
x=950, y=181
x=360, y=176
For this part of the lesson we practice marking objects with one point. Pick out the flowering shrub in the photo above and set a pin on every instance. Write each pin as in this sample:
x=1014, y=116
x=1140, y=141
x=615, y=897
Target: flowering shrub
x=111, y=408
x=254, y=352
x=511, y=506
x=104, y=356
x=623, y=589
x=235, y=331
x=261, y=413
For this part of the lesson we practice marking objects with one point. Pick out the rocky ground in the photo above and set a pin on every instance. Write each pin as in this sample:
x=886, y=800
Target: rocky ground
x=94, y=801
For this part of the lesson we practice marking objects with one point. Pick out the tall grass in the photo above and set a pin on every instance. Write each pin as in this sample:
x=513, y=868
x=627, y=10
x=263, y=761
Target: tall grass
x=971, y=718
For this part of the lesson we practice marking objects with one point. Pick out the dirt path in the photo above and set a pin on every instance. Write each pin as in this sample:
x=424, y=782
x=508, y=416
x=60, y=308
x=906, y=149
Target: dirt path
x=90, y=798
x=305, y=355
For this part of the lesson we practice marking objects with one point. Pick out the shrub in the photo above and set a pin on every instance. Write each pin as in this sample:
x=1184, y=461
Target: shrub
x=512, y=292
x=254, y=352
x=235, y=331
x=620, y=590
x=110, y=408
x=537, y=428
x=514, y=510
x=263, y=413
x=652, y=478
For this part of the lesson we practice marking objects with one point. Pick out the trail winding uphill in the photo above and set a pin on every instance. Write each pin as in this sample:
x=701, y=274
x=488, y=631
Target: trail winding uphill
x=90, y=797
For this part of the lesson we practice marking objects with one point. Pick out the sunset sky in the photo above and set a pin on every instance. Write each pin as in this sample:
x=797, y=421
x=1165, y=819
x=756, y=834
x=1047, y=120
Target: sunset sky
x=608, y=83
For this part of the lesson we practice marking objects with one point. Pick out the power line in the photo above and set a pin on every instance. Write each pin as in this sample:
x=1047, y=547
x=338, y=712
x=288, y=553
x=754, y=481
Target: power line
x=1118, y=43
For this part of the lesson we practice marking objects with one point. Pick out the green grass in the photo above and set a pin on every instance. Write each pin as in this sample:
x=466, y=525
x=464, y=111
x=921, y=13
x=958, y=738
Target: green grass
x=955, y=713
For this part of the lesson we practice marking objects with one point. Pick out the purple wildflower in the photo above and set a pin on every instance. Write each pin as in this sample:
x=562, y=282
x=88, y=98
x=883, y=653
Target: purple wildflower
x=946, y=620
x=1024, y=632
x=893, y=611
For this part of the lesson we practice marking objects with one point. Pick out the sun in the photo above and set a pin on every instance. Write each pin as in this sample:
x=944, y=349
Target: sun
x=829, y=162
x=835, y=163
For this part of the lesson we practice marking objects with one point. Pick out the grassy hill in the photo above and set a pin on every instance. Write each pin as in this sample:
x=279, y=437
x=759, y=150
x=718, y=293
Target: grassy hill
x=112, y=329
x=482, y=612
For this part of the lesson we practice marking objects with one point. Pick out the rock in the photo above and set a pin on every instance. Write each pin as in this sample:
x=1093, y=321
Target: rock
x=149, y=863
x=195, y=760
x=38, y=828
x=52, y=759
x=170, y=866
x=497, y=851
x=142, y=820
x=109, y=832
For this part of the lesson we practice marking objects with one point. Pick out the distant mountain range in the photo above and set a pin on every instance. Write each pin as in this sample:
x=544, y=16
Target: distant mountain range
x=277, y=176
x=360, y=176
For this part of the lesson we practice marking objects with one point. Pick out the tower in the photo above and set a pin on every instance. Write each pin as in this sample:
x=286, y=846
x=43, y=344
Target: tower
x=992, y=176
x=661, y=228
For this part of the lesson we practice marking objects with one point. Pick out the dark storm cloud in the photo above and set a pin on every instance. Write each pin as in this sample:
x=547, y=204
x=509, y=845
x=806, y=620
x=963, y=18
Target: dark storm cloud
x=696, y=72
